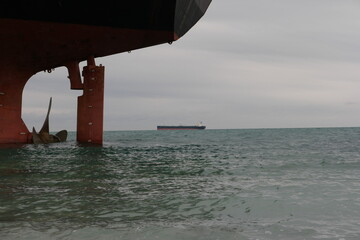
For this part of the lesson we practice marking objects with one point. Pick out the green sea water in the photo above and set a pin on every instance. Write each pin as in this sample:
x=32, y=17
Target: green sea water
x=214, y=184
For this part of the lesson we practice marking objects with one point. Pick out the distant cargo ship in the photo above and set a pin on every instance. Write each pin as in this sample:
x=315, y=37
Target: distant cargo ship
x=181, y=127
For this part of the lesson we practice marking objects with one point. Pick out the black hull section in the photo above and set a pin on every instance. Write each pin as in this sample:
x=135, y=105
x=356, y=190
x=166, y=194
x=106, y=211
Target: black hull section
x=176, y=16
x=181, y=127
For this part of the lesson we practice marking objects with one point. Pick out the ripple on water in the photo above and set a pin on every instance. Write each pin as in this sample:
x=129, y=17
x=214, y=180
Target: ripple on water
x=232, y=184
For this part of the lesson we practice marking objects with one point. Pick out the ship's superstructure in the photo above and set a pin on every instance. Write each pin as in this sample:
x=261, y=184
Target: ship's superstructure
x=38, y=35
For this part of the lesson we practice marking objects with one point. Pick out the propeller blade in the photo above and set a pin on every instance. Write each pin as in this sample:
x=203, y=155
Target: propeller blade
x=35, y=137
x=62, y=135
x=45, y=127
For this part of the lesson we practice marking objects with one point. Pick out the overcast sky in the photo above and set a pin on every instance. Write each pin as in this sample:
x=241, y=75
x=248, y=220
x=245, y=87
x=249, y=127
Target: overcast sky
x=246, y=64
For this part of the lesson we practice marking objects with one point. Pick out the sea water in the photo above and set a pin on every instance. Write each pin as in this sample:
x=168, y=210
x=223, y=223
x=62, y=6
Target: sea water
x=171, y=185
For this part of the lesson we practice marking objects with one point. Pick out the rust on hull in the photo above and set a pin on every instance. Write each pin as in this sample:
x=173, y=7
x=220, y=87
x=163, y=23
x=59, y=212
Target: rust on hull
x=91, y=105
x=12, y=127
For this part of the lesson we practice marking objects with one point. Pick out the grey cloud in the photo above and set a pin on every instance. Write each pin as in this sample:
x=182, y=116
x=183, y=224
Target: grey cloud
x=246, y=64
